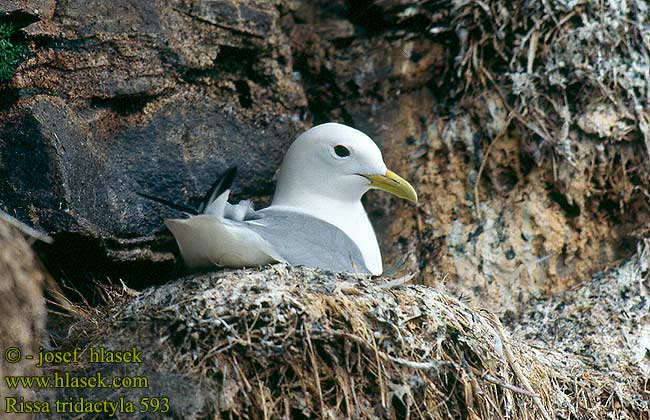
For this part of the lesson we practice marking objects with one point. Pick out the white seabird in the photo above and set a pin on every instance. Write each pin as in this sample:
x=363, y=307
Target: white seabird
x=316, y=218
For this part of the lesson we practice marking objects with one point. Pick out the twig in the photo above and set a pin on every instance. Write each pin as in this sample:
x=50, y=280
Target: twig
x=27, y=230
x=485, y=158
x=506, y=385
x=532, y=48
x=478, y=177
x=265, y=410
x=422, y=365
x=379, y=373
x=401, y=281
x=512, y=361
x=312, y=356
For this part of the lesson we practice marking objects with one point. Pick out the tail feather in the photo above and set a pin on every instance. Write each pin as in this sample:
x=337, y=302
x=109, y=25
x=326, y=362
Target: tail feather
x=170, y=204
x=218, y=206
x=220, y=185
x=217, y=189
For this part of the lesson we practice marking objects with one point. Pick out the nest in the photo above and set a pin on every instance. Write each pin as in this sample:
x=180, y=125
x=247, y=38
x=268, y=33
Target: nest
x=301, y=343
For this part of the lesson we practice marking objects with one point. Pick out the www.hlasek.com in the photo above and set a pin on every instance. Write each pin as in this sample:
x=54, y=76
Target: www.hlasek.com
x=67, y=380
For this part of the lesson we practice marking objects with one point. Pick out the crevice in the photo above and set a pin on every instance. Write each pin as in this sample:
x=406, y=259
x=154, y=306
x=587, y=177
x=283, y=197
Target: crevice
x=8, y=98
x=571, y=210
x=236, y=60
x=124, y=105
x=243, y=93
x=376, y=19
x=507, y=178
x=82, y=265
x=18, y=19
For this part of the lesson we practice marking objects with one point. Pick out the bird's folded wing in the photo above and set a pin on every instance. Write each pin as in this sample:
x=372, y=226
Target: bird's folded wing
x=301, y=239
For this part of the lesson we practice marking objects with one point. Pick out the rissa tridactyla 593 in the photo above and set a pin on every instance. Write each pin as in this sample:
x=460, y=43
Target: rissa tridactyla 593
x=316, y=218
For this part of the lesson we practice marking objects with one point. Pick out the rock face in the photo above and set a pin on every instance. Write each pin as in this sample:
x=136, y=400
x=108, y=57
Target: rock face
x=505, y=214
x=523, y=126
x=161, y=96
x=144, y=96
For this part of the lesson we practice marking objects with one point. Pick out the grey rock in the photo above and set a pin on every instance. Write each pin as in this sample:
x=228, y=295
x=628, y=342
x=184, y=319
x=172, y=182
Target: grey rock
x=158, y=97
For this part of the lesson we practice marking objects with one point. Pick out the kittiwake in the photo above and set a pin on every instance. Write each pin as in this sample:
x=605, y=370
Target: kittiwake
x=315, y=219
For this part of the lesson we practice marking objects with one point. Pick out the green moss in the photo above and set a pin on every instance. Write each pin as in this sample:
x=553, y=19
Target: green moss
x=12, y=52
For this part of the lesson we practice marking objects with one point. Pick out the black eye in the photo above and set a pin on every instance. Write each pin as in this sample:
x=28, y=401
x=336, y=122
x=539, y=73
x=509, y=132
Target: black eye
x=341, y=151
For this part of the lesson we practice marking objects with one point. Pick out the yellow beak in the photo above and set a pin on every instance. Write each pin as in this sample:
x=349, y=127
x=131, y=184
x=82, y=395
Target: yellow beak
x=394, y=184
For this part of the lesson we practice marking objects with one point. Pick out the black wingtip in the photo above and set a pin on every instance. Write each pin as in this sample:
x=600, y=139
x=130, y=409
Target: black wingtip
x=228, y=178
x=168, y=203
x=223, y=183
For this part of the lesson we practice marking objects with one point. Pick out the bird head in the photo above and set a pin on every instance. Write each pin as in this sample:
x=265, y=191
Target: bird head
x=338, y=162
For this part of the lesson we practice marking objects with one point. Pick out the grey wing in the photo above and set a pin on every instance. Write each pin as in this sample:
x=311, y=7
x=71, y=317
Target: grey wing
x=301, y=239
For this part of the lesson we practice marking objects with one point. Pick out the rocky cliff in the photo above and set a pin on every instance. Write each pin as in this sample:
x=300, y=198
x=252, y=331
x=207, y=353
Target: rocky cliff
x=523, y=126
